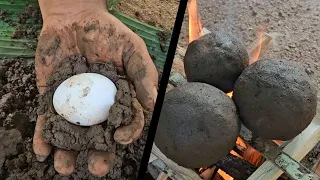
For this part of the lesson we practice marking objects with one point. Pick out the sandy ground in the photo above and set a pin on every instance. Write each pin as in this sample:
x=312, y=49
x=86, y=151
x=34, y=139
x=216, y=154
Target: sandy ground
x=159, y=13
x=295, y=24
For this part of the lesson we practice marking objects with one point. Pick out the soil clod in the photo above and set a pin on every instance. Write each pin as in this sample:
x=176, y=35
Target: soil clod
x=197, y=121
x=217, y=59
x=276, y=99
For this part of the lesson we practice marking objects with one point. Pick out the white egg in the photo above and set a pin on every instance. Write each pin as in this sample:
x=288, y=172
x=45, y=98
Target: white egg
x=85, y=99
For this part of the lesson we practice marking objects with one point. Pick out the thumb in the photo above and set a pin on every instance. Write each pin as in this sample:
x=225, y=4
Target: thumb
x=142, y=72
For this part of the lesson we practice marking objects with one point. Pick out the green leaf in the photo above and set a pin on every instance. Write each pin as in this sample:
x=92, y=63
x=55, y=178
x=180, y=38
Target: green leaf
x=157, y=40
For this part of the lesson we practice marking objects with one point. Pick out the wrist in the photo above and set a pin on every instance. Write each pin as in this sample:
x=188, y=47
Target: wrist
x=63, y=11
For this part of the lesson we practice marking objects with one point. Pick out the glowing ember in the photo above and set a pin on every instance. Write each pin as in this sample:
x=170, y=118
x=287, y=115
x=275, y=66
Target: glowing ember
x=256, y=52
x=278, y=142
x=224, y=175
x=251, y=155
x=230, y=94
x=195, y=25
x=235, y=154
x=241, y=143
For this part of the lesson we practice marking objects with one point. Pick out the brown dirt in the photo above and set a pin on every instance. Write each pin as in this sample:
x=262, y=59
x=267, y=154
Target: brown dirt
x=18, y=105
x=157, y=13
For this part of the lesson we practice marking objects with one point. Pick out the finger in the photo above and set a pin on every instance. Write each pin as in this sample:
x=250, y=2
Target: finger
x=65, y=161
x=129, y=133
x=100, y=162
x=40, y=147
x=142, y=72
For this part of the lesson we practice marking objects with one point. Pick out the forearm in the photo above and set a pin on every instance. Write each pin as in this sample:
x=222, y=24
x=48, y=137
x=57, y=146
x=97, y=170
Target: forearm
x=69, y=8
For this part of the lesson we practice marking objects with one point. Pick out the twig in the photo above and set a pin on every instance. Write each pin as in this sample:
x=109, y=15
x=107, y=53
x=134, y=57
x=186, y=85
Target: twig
x=178, y=172
x=316, y=167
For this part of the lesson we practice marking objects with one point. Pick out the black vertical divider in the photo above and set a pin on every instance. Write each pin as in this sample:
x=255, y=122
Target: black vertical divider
x=162, y=89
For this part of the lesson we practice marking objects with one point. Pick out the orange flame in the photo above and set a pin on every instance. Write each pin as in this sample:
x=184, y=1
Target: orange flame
x=256, y=53
x=224, y=175
x=230, y=94
x=195, y=25
x=251, y=155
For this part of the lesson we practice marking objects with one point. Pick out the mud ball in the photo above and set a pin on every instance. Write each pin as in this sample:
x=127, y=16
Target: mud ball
x=276, y=100
x=217, y=59
x=198, y=125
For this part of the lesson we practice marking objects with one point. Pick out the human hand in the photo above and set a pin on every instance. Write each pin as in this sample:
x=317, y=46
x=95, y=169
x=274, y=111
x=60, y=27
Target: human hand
x=73, y=27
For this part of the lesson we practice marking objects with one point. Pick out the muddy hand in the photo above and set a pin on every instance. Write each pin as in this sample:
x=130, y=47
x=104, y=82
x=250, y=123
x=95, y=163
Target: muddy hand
x=73, y=27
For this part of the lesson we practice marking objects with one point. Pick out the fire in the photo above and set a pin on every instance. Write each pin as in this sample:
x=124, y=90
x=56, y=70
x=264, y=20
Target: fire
x=224, y=175
x=230, y=94
x=278, y=142
x=256, y=52
x=195, y=25
x=251, y=155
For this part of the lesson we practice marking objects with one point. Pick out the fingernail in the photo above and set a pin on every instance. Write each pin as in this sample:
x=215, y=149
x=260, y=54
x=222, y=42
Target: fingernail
x=127, y=142
x=41, y=158
x=155, y=94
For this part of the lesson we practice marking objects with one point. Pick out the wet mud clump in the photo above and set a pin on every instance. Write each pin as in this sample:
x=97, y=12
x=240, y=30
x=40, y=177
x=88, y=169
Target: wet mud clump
x=65, y=135
x=197, y=121
x=217, y=59
x=18, y=110
x=276, y=100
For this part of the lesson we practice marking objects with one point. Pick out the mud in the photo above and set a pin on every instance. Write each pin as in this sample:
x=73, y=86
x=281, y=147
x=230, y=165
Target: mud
x=65, y=135
x=18, y=109
x=197, y=121
x=217, y=59
x=8, y=143
x=276, y=100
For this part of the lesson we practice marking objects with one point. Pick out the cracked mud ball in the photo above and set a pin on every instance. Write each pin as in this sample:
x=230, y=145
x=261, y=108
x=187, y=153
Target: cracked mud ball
x=276, y=99
x=217, y=59
x=18, y=113
x=197, y=121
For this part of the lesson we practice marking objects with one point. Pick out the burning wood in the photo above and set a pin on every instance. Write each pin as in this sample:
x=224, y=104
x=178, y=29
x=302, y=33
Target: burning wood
x=236, y=167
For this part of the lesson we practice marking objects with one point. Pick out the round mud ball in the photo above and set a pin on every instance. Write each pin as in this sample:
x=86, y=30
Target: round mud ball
x=198, y=125
x=217, y=59
x=276, y=100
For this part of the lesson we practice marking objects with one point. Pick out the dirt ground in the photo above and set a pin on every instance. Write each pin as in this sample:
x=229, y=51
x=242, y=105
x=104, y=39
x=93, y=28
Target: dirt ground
x=159, y=13
x=18, y=112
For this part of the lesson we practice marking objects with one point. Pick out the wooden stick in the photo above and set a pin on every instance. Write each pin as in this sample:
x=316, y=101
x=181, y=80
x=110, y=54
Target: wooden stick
x=162, y=176
x=208, y=173
x=238, y=168
x=153, y=171
x=316, y=167
x=177, y=172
